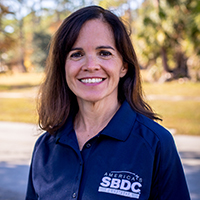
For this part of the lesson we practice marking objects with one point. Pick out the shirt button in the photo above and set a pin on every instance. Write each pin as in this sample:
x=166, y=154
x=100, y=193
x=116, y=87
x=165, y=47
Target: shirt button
x=74, y=195
x=88, y=145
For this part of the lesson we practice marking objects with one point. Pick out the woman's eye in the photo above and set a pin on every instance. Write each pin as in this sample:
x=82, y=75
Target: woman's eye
x=105, y=53
x=76, y=55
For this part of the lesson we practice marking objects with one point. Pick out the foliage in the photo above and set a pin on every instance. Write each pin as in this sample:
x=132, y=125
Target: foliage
x=166, y=34
x=167, y=38
x=40, y=48
x=6, y=39
x=32, y=25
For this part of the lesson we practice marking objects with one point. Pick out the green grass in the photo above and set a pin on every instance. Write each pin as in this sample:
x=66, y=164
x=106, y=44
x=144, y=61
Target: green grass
x=187, y=89
x=20, y=81
x=183, y=116
x=18, y=110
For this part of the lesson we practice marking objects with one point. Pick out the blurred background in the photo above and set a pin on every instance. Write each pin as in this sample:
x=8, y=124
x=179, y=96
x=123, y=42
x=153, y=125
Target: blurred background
x=165, y=34
x=166, y=37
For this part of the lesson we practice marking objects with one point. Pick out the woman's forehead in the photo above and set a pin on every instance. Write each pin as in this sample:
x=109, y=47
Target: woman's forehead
x=95, y=31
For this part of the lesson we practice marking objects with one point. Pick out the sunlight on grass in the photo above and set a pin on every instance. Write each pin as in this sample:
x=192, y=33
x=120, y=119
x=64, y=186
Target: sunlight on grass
x=187, y=89
x=18, y=110
x=20, y=80
x=184, y=116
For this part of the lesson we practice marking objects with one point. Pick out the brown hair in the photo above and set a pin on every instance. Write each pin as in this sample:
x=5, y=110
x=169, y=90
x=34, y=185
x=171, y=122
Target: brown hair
x=56, y=100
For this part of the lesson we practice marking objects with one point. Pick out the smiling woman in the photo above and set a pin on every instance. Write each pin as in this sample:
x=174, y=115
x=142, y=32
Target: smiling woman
x=58, y=101
x=101, y=140
x=94, y=65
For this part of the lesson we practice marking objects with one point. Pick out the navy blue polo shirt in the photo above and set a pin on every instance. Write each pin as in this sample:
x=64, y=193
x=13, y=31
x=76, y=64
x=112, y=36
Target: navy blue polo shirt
x=133, y=157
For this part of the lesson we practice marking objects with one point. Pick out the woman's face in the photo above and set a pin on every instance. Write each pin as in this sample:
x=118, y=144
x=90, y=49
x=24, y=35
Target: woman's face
x=94, y=65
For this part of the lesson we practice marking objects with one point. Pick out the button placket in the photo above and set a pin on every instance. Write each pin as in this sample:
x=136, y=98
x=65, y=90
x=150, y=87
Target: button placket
x=77, y=180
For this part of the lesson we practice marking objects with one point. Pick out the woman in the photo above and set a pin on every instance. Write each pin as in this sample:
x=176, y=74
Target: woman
x=101, y=140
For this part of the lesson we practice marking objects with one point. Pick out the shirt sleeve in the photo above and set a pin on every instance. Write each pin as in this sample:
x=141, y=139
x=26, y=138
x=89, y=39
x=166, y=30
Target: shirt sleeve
x=168, y=180
x=30, y=193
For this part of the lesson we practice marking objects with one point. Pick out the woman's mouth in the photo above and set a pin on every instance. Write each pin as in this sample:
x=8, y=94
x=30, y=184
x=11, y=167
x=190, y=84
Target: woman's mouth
x=92, y=80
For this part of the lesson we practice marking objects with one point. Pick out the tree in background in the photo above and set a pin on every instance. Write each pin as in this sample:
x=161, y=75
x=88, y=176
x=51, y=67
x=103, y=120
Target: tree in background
x=168, y=35
x=6, y=38
x=40, y=49
x=16, y=51
x=33, y=23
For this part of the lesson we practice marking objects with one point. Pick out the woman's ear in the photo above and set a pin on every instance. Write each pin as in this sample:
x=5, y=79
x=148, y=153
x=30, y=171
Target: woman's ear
x=124, y=70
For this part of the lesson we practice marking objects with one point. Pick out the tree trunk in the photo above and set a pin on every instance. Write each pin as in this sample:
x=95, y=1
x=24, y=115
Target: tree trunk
x=181, y=70
x=166, y=75
x=164, y=59
x=22, y=51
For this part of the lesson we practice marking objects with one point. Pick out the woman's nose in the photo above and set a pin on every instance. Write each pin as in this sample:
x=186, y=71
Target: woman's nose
x=91, y=64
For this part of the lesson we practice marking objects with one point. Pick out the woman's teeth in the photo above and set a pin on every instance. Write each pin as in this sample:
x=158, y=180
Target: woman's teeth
x=92, y=80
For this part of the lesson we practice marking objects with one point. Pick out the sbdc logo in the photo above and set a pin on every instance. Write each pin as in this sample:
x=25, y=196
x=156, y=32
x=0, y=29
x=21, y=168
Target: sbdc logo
x=122, y=184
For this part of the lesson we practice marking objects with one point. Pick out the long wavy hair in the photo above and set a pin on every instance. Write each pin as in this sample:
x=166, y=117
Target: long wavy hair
x=56, y=100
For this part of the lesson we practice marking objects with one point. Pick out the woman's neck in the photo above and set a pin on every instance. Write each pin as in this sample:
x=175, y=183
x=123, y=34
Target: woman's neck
x=92, y=118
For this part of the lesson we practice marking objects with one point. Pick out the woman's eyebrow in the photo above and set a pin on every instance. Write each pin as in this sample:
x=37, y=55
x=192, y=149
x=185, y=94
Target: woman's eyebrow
x=76, y=48
x=99, y=47
x=105, y=47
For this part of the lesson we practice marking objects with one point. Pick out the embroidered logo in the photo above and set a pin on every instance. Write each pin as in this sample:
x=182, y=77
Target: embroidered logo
x=121, y=183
